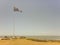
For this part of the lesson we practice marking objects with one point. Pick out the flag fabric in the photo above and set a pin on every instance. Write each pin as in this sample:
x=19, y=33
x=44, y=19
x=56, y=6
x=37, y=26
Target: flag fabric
x=17, y=10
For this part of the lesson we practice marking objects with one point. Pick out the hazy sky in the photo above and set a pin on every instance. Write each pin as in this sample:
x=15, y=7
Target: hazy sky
x=39, y=17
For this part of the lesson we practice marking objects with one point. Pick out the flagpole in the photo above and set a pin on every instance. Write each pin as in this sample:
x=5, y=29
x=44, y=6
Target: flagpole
x=13, y=26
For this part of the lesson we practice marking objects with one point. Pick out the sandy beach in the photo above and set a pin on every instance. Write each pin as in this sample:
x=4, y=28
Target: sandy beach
x=26, y=42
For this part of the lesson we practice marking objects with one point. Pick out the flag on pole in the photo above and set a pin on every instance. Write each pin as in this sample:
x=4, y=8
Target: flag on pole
x=16, y=9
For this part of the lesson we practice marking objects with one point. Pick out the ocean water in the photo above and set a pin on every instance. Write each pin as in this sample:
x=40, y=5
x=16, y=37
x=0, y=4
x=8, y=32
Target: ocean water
x=45, y=37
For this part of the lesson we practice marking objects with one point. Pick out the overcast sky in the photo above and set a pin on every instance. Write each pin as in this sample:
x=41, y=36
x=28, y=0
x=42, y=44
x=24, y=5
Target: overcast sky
x=39, y=17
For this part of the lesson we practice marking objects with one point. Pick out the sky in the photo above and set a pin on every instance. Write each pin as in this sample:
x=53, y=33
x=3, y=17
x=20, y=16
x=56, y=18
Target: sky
x=39, y=17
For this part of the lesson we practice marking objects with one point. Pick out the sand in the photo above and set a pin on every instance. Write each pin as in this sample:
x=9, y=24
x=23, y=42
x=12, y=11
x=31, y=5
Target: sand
x=26, y=42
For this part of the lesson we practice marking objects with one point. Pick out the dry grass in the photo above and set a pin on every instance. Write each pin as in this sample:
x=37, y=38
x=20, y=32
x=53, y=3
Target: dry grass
x=26, y=42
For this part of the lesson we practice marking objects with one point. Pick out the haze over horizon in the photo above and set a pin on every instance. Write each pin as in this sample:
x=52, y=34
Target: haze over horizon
x=39, y=17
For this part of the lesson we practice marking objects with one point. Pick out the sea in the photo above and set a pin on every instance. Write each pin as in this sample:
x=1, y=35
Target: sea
x=45, y=37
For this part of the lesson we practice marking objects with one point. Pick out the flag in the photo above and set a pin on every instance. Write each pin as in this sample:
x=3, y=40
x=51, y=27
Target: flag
x=16, y=9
